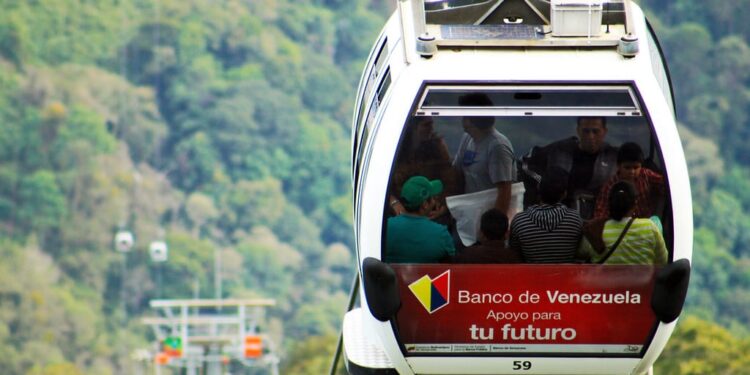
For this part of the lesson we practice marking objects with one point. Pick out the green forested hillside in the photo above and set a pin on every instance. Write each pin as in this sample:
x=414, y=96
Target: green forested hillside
x=213, y=125
x=223, y=126
x=706, y=46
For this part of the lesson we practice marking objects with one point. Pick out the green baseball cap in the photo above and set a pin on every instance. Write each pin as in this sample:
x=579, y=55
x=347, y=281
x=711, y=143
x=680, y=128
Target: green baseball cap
x=418, y=189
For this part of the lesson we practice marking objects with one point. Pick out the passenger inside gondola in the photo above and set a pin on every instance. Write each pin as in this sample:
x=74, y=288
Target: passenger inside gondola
x=624, y=238
x=491, y=247
x=548, y=232
x=649, y=185
x=423, y=152
x=467, y=143
x=485, y=156
x=587, y=157
x=412, y=237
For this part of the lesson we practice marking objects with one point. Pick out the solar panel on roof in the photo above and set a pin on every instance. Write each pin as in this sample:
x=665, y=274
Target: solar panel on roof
x=484, y=32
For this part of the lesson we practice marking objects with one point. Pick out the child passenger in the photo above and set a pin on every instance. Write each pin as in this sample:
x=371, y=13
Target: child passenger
x=491, y=248
x=649, y=185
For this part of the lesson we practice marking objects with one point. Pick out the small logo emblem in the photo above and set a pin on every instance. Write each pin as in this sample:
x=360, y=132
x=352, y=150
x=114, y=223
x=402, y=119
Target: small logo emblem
x=632, y=348
x=433, y=294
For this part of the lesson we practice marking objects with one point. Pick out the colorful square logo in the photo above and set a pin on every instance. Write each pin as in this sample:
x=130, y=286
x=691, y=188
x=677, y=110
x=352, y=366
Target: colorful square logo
x=433, y=294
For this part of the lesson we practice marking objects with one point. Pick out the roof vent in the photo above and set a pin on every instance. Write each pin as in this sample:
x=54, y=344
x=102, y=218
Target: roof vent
x=426, y=45
x=628, y=46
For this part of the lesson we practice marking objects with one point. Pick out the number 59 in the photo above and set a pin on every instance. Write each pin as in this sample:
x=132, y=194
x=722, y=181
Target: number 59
x=521, y=365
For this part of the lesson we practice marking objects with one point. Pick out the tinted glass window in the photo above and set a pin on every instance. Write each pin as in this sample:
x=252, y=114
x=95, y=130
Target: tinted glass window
x=383, y=87
x=380, y=56
x=372, y=78
x=536, y=98
x=659, y=67
x=519, y=282
x=535, y=144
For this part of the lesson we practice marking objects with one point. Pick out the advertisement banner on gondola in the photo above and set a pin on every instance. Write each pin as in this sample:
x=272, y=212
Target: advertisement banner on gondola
x=575, y=309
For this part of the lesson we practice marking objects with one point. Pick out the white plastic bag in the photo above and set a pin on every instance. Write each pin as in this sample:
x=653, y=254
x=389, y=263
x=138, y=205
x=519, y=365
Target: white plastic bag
x=467, y=209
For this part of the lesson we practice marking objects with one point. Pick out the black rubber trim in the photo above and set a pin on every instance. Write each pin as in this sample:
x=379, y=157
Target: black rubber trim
x=355, y=369
x=670, y=290
x=381, y=289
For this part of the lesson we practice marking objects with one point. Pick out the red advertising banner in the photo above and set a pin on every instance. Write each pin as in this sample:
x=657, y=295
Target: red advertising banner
x=574, y=309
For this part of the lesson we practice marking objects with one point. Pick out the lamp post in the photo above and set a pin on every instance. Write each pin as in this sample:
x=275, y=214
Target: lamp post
x=217, y=273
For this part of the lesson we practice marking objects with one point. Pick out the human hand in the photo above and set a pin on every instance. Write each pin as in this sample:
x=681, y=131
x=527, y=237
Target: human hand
x=397, y=208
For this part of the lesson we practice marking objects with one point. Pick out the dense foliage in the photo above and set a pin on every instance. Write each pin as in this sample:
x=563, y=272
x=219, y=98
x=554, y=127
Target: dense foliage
x=222, y=127
x=709, y=59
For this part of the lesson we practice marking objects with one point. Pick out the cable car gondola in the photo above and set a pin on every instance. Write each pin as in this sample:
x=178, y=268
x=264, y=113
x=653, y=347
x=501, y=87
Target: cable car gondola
x=543, y=65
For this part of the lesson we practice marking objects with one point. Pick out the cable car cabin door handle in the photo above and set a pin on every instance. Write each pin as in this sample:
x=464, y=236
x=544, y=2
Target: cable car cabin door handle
x=670, y=290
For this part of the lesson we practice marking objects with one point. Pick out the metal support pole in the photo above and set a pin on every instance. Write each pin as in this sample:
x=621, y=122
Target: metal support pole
x=353, y=294
x=214, y=360
x=629, y=28
x=184, y=333
x=217, y=274
x=405, y=33
x=159, y=280
x=241, y=330
x=418, y=13
x=192, y=367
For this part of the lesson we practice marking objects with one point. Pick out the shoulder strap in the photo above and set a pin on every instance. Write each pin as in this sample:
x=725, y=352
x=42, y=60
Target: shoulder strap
x=617, y=243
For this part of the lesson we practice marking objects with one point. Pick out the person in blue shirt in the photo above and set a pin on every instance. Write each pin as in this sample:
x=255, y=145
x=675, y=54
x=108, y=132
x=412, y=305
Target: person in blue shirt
x=412, y=237
x=485, y=156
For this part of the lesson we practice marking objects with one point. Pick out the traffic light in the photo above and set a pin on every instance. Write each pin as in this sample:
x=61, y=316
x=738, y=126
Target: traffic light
x=172, y=346
x=253, y=346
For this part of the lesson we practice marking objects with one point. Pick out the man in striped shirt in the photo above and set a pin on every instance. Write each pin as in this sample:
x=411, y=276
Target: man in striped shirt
x=548, y=232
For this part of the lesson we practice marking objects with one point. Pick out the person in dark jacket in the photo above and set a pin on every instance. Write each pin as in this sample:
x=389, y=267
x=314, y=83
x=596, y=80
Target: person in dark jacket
x=587, y=158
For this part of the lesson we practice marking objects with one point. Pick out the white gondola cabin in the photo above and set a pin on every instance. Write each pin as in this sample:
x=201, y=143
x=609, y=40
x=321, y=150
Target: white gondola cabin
x=124, y=241
x=543, y=65
x=158, y=251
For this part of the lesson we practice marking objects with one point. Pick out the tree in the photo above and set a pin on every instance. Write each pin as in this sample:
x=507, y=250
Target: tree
x=81, y=126
x=700, y=347
x=195, y=162
x=705, y=164
x=190, y=261
x=42, y=204
x=151, y=55
x=357, y=26
x=684, y=45
x=14, y=37
x=65, y=368
x=200, y=210
x=252, y=203
x=271, y=267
